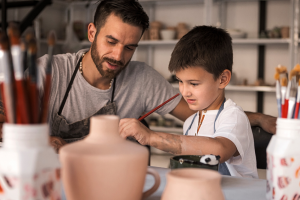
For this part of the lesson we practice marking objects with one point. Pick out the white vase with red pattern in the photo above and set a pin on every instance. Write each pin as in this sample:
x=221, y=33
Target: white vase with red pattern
x=29, y=166
x=283, y=161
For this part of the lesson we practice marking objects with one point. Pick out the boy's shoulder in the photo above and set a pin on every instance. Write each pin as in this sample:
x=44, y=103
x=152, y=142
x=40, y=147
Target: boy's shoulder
x=233, y=111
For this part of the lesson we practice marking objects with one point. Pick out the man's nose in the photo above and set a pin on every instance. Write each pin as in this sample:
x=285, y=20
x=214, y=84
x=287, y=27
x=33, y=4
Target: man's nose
x=118, y=53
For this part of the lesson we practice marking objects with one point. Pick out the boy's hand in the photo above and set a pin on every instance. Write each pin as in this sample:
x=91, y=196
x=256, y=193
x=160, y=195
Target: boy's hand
x=134, y=128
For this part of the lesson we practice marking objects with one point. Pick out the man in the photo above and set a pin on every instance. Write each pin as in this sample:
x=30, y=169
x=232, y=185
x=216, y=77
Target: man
x=103, y=80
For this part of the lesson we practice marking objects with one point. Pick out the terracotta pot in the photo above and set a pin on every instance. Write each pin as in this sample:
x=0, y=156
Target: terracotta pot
x=193, y=184
x=105, y=166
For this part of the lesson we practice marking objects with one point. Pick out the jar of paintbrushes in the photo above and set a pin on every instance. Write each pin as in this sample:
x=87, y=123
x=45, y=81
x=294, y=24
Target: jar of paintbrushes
x=283, y=154
x=29, y=166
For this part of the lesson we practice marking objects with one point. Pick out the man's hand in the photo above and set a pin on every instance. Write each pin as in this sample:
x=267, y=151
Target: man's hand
x=56, y=143
x=134, y=128
x=266, y=122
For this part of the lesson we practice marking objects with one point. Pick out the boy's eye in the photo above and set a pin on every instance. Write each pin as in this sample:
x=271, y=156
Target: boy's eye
x=194, y=84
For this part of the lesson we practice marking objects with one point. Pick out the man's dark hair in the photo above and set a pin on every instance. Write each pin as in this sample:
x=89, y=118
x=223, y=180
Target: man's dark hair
x=204, y=46
x=130, y=11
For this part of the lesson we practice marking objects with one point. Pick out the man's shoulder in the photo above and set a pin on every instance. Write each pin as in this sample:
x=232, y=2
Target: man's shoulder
x=140, y=69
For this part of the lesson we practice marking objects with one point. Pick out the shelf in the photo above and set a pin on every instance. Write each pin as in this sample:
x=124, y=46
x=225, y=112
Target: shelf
x=244, y=88
x=234, y=41
x=58, y=42
x=166, y=129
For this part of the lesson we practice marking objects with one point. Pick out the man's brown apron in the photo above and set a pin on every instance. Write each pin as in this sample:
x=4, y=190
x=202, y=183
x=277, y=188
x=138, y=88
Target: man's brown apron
x=71, y=132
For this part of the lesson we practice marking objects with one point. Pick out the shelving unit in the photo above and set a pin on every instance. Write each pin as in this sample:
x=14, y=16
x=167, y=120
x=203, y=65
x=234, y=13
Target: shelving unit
x=209, y=12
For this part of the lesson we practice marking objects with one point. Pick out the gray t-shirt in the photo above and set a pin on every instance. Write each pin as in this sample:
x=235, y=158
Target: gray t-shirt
x=138, y=89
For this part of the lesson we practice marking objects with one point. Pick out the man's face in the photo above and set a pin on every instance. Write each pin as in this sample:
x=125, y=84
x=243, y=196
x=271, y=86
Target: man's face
x=114, y=45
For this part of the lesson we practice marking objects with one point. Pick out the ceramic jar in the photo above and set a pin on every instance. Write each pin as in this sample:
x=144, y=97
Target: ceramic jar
x=29, y=167
x=104, y=165
x=283, y=161
x=193, y=184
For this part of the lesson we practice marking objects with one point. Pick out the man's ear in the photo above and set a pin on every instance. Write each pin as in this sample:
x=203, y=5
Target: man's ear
x=224, y=78
x=92, y=30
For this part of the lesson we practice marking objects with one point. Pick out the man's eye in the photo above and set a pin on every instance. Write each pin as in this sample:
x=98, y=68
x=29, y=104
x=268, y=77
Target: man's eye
x=129, y=48
x=111, y=42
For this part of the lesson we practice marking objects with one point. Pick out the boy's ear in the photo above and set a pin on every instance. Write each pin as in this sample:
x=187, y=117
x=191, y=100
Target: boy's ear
x=224, y=78
x=91, y=32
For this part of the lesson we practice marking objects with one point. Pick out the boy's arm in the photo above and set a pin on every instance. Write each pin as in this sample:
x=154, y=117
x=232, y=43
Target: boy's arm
x=178, y=144
x=266, y=122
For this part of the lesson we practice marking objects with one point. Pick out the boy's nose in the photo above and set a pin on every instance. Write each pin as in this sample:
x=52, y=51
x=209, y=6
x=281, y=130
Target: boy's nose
x=184, y=90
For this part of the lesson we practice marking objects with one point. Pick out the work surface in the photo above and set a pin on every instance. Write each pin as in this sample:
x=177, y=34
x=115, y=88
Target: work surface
x=234, y=188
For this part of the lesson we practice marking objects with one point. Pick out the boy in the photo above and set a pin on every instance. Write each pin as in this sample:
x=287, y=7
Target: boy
x=202, y=61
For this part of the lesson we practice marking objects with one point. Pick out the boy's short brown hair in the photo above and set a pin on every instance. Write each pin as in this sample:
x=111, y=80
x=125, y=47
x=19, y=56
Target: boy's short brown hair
x=204, y=46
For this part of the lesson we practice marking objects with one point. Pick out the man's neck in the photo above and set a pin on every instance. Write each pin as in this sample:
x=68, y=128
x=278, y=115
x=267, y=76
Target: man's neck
x=91, y=73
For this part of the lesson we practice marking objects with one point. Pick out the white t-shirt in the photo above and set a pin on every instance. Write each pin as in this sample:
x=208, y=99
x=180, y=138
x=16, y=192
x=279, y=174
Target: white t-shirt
x=234, y=125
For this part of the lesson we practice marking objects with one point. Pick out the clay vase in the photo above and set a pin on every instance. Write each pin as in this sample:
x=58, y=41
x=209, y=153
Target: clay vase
x=193, y=184
x=104, y=165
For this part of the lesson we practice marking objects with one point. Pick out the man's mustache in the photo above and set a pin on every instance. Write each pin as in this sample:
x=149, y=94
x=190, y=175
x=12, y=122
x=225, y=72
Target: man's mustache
x=113, y=61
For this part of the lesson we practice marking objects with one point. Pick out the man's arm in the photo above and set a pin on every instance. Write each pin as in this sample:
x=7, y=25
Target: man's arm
x=266, y=122
x=178, y=144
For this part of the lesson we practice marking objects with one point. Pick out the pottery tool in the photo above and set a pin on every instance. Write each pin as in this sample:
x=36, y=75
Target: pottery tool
x=32, y=81
x=298, y=101
x=45, y=102
x=6, y=79
x=153, y=110
x=16, y=53
x=283, y=92
x=278, y=93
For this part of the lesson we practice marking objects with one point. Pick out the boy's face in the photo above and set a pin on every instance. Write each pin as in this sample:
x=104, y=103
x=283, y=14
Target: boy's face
x=199, y=88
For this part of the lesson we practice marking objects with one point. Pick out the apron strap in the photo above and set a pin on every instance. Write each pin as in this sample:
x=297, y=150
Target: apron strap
x=69, y=87
x=113, y=91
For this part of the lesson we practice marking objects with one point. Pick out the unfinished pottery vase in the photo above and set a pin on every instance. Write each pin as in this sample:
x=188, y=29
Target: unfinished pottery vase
x=104, y=165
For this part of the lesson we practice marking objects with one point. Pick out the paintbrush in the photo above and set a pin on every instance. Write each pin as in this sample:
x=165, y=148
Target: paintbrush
x=292, y=97
x=153, y=110
x=21, y=95
x=298, y=102
x=283, y=92
x=46, y=97
x=278, y=93
x=6, y=76
x=32, y=81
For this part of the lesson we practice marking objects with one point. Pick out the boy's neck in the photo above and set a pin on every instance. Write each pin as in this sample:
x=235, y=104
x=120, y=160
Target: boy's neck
x=216, y=104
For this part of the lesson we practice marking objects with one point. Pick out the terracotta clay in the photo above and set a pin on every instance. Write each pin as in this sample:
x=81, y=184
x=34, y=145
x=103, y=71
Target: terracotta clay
x=105, y=166
x=193, y=184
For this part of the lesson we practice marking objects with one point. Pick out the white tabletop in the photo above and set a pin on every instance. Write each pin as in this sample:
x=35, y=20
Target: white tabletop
x=234, y=188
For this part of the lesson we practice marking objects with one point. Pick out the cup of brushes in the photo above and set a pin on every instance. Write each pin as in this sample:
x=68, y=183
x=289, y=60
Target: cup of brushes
x=29, y=167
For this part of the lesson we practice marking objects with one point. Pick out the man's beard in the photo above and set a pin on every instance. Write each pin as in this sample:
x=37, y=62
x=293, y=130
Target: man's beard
x=110, y=74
